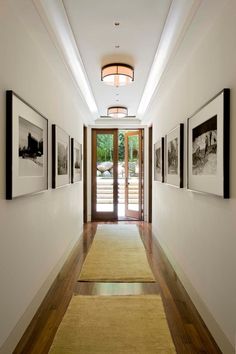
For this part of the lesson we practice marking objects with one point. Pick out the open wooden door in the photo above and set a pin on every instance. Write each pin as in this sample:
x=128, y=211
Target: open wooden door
x=133, y=174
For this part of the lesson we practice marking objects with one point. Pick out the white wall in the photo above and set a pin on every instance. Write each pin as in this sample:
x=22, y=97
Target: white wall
x=198, y=232
x=36, y=232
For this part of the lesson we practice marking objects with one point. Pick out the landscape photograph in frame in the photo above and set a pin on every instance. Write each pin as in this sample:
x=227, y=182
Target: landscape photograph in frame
x=209, y=147
x=76, y=161
x=174, y=156
x=60, y=157
x=26, y=148
x=159, y=160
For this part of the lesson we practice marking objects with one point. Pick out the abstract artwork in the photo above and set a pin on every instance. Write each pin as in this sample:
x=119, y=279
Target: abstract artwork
x=174, y=156
x=60, y=157
x=208, y=147
x=76, y=161
x=159, y=160
x=26, y=152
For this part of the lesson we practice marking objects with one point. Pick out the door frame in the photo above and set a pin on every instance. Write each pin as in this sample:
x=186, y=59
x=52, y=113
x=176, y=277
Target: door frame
x=131, y=213
x=85, y=155
x=103, y=216
x=93, y=216
x=150, y=163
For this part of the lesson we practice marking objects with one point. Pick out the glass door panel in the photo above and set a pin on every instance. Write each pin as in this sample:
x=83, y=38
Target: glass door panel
x=104, y=176
x=104, y=181
x=133, y=174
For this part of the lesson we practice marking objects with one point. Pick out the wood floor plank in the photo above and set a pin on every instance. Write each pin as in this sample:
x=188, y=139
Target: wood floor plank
x=189, y=332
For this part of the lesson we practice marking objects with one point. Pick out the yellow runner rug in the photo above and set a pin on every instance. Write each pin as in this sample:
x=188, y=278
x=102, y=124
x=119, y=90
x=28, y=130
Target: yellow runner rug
x=114, y=325
x=117, y=254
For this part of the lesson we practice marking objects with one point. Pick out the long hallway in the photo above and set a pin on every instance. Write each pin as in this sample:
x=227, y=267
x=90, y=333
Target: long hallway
x=188, y=331
x=113, y=114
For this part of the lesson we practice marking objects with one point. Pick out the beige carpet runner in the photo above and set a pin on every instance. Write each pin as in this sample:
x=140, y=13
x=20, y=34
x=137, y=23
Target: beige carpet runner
x=114, y=325
x=117, y=254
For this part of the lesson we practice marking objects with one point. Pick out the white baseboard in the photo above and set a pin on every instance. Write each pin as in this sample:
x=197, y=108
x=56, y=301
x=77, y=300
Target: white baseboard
x=223, y=342
x=19, y=329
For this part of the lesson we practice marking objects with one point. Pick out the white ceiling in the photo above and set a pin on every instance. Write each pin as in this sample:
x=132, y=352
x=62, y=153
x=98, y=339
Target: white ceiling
x=149, y=35
x=138, y=35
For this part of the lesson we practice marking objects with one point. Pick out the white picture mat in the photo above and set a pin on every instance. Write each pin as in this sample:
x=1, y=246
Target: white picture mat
x=173, y=179
x=77, y=146
x=63, y=137
x=22, y=185
x=158, y=176
x=208, y=183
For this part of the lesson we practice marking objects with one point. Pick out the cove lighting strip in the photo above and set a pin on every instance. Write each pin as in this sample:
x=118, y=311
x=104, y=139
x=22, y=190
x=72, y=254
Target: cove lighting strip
x=55, y=18
x=179, y=17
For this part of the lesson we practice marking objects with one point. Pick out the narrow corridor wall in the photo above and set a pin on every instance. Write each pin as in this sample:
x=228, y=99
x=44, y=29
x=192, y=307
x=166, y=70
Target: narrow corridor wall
x=198, y=232
x=37, y=232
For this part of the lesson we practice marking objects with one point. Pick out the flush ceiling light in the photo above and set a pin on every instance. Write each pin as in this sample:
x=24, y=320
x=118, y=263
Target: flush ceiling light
x=117, y=112
x=117, y=74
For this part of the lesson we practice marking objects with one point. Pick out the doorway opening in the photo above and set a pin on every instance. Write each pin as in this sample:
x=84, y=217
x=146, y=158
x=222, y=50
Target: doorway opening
x=117, y=174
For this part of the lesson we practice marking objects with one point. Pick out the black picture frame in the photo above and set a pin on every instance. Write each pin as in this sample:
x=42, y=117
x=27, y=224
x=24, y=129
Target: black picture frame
x=159, y=160
x=26, y=166
x=76, y=173
x=212, y=120
x=61, y=175
x=174, y=157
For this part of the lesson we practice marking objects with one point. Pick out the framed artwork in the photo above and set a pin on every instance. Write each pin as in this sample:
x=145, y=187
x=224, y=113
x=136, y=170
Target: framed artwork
x=159, y=160
x=208, y=147
x=76, y=161
x=26, y=148
x=175, y=156
x=60, y=157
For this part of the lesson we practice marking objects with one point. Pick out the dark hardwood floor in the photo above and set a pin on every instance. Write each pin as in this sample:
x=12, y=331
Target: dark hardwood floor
x=189, y=332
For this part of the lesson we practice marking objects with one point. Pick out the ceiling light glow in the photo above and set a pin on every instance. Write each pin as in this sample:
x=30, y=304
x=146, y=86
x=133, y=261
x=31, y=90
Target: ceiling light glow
x=117, y=74
x=117, y=112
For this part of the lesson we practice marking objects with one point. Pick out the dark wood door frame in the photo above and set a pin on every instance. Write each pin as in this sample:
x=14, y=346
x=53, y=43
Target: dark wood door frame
x=96, y=216
x=131, y=213
x=85, y=195
x=150, y=152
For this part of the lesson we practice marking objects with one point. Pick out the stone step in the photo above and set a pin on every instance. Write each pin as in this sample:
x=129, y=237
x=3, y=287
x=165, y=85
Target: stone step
x=108, y=201
x=122, y=188
x=101, y=191
x=109, y=195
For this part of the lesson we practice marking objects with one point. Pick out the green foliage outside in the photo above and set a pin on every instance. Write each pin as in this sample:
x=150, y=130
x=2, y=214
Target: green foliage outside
x=133, y=148
x=121, y=152
x=105, y=147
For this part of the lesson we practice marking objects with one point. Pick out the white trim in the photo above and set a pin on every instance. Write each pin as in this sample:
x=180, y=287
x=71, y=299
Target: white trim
x=117, y=121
